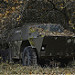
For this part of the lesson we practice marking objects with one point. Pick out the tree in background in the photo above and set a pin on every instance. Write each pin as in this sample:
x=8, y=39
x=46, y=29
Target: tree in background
x=14, y=13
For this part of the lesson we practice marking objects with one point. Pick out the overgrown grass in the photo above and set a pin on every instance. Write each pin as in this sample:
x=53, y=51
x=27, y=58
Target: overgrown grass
x=9, y=69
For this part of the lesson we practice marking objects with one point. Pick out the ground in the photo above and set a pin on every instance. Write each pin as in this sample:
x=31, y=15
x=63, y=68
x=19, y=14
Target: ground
x=7, y=69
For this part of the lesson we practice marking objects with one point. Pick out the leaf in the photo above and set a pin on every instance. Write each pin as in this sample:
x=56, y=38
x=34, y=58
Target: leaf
x=18, y=18
x=21, y=1
x=68, y=74
x=6, y=1
x=1, y=15
x=13, y=8
x=32, y=30
x=69, y=21
x=61, y=7
x=42, y=35
x=73, y=27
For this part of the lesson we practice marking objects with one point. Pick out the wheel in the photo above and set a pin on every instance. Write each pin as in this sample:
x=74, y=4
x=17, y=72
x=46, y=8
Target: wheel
x=29, y=57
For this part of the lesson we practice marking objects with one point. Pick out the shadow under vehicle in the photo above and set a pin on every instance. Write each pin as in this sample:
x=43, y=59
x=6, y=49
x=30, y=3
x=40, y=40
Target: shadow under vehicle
x=34, y=42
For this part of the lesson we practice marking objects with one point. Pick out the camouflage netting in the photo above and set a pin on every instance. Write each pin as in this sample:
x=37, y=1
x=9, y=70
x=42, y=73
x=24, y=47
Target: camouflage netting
x=14, y=13
x=49, y=30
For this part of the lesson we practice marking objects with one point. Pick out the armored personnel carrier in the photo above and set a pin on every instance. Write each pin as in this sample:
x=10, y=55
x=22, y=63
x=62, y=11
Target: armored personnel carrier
x=33, y=42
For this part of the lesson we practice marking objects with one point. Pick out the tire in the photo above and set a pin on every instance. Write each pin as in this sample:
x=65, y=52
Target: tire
x=29, y=57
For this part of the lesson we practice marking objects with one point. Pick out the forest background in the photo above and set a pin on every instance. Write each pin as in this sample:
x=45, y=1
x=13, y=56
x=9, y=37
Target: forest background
x=14, y=13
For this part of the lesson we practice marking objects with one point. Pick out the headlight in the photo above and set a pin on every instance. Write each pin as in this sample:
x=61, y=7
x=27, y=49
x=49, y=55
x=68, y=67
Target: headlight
x=43, y=48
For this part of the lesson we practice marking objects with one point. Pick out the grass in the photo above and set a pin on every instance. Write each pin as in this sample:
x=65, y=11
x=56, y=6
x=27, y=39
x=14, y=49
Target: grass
x=9, y=69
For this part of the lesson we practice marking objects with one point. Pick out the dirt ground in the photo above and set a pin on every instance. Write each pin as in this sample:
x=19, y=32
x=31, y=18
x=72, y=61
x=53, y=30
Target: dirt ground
x=7, y=69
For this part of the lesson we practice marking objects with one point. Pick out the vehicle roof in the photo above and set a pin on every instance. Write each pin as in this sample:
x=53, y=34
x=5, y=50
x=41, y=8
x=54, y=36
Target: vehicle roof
x=38, y=30
x=50, y=30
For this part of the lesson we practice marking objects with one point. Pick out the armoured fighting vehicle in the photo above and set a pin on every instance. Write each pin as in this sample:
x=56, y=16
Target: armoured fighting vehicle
x=33, y=42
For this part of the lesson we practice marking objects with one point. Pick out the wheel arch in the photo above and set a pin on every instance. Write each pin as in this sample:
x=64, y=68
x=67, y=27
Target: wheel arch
x=24, y=44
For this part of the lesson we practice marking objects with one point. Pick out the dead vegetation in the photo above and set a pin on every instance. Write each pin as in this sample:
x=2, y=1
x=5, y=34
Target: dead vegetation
x=8, y=69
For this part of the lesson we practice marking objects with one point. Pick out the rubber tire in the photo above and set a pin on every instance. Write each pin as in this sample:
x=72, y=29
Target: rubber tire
x=29, y=57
